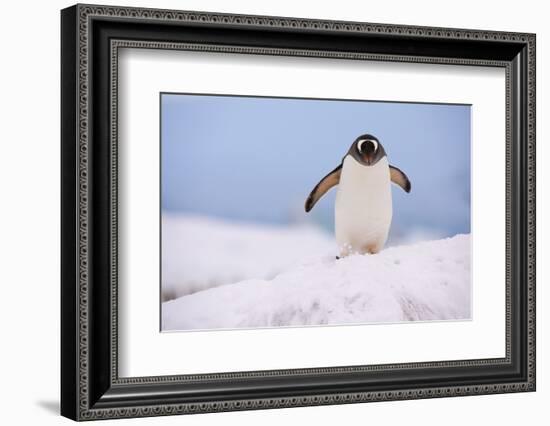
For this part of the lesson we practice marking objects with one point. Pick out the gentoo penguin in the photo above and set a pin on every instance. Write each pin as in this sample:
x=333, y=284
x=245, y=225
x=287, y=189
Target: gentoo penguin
x=363, y=209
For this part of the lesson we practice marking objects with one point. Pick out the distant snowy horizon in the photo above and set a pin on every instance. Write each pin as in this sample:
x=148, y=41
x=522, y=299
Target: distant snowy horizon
x=190, y=243
x=200, y=252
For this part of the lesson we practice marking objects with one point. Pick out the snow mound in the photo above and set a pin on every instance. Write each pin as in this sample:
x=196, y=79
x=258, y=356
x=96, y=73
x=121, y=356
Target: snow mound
x=424, y=281
x=202, y=252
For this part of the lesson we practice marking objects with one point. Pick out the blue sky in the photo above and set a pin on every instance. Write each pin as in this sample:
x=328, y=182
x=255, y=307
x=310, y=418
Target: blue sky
x=257, y=159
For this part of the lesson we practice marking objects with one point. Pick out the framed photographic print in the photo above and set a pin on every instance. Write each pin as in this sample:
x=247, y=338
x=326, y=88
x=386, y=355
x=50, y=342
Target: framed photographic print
x=263, y=212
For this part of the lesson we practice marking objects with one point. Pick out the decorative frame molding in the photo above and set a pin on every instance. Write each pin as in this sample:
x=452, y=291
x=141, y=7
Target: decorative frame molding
x=91, y=388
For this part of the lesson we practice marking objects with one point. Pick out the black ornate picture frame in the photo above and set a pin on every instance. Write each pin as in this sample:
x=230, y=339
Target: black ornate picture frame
x=90, y=385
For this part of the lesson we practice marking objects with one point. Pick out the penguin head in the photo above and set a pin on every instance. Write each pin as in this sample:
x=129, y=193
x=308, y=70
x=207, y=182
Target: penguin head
x=367, y=150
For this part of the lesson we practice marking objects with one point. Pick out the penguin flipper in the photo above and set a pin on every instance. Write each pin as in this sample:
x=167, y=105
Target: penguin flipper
x=400, y=178
x=330, y=180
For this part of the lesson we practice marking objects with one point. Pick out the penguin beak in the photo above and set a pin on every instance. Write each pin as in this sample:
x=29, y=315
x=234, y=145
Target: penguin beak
x=368, y=159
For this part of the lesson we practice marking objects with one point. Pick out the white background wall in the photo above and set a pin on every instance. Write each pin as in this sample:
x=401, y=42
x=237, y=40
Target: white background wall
x=29, y=211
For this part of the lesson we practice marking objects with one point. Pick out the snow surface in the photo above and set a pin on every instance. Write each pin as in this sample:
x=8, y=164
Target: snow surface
x=424, y=281
x=201, y=252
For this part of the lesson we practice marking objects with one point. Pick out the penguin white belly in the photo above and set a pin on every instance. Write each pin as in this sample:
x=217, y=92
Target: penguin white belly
x=363, y=210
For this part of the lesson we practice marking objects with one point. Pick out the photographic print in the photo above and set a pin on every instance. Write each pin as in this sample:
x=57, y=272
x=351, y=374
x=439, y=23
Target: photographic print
x=362, y=193
x=279, y=212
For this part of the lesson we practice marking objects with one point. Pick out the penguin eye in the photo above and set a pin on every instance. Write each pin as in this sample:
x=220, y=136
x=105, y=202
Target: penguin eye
x=367, y=146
